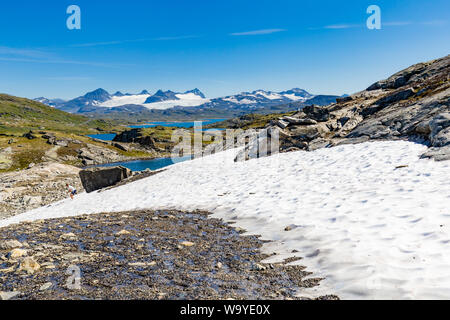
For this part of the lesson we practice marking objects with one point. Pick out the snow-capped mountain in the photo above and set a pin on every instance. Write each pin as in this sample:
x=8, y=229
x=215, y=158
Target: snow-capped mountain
x=101, y=102
x=261, y=97
x=50, y=102
x=101, y=98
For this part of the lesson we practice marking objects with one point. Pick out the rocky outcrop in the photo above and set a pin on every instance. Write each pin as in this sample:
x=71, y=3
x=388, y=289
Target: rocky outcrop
x=413, y=104
x=29, y=135
x=98, y=178
x=87, y=153
x=120, y=146
x=136, y=136
x=41, y=185
x=59, y=141
x=92, y=155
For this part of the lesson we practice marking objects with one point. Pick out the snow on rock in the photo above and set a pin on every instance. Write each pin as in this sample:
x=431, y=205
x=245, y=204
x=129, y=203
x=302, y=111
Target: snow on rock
x=372, y=218
x=118, y=101
x=185, y=100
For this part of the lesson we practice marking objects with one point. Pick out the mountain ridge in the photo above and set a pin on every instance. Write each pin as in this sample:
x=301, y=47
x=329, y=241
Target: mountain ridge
x=189, y=104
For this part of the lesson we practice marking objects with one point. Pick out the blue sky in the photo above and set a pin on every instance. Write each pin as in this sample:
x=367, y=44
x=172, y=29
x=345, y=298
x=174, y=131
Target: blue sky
x=221, y=47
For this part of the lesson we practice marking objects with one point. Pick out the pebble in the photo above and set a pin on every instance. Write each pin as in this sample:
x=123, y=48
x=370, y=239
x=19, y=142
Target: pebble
x=187, y=244
x=290, y=228
x=48, y=265
x=17, y=253
x=142, y=264
x=10, y=244
x=69, y=235
x=9, y=295
x=258, y=267
x=123, y=232
x=29, y=265
x=46, y=286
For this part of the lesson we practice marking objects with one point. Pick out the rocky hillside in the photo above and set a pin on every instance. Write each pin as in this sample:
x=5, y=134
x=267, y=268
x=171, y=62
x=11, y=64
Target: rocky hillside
x=22, y=115
x=32, y=133
x=413, y=104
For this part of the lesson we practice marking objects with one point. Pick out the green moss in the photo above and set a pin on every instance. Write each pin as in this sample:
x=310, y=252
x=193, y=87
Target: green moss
x=70, y=151
x=21, y=160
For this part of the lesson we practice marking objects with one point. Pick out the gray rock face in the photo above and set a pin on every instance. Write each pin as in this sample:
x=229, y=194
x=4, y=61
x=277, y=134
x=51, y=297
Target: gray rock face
x=120, y=146
x=317, y=113
x=98, y=178
x=135, y=136
x=297, y=121
x=440, y=130
x=438, y=154
x=29, y=135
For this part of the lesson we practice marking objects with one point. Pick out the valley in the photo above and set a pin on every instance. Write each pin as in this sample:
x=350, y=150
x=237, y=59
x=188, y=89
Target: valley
x=358, y=188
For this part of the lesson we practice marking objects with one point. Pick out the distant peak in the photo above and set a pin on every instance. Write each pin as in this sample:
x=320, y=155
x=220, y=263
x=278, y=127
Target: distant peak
x=99, y=95
x=161, y=95
x=144, y=92
x=100, y=91
x=197, y=92
x=298, y=92
x=260, y=91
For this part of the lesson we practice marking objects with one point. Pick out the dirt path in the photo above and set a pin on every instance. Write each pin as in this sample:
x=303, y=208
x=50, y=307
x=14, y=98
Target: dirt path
x=53, y=153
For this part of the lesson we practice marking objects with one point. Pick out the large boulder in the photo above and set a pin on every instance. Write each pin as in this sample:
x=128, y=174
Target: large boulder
x=128, y=136
x=29, y=135
x=319, y=114
x=135, y=136
x=99, y=178
x=440, y=130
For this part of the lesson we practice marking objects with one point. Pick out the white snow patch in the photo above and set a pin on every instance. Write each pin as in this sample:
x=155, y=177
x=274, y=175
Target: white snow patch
x=373, y=230
x=186, y=100
x=138, y=99
x=242, y=101
x=189, y=96
x=294, y=97
x=269, y=95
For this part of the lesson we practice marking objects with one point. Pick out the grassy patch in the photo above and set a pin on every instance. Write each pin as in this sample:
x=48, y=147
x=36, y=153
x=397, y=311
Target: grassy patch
x=250, y=121
x=70, y=151
x=25, y=152
x=20, y=115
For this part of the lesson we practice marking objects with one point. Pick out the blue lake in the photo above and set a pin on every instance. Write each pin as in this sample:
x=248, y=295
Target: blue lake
x=189, y=124
x=141, y=165
x=154, y=164
x=103, y=136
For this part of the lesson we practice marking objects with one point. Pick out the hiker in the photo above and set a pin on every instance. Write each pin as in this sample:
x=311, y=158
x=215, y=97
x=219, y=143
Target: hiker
x=72, y=190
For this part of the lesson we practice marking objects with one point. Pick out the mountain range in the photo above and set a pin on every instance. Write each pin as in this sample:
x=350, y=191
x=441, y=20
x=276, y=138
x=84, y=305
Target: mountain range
x=190, y=104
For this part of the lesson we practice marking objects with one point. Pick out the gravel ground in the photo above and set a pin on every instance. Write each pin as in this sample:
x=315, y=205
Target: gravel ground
x=45, y=183
x=141, y=255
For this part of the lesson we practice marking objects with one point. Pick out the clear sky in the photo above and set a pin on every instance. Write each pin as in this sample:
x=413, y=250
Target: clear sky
x=221, y=47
